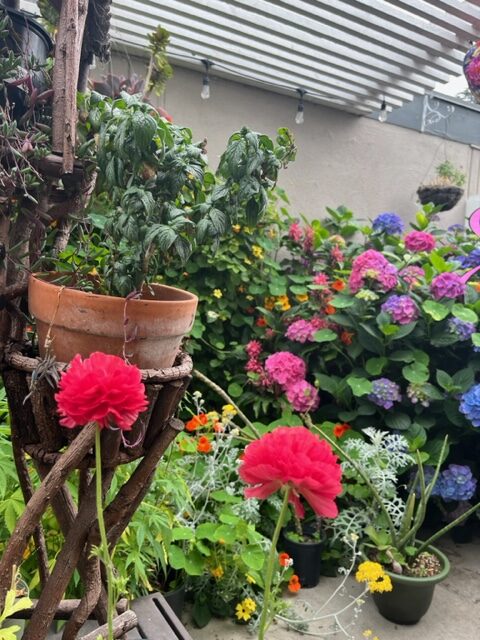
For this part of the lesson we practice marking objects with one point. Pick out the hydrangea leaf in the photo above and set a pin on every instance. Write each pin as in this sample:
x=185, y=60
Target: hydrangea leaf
x=435, y=310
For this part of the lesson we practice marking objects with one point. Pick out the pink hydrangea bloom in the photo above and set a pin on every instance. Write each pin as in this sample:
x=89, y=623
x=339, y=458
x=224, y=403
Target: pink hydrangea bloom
x=412, y=274
x=337, y=254
x=285, y=368
x=296, y=458
x=301, y=331
x=419, y=241
x=253, y=348
x=447, y=285
x=372, y=265
x=303, y=396
x=295, y=232
x=320, y=278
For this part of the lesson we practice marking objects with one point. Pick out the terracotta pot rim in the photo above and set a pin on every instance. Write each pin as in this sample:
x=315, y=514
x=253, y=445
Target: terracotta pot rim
x=42, y=278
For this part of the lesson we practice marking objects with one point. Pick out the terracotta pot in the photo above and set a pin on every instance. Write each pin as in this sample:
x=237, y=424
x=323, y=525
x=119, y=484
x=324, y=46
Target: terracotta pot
x=83, y=322
x=410, y=597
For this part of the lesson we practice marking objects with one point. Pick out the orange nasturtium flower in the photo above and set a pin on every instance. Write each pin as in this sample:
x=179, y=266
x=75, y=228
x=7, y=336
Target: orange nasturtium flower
x=330, y=310
x=284, y=559
x=196, y=422
x=346, y=337
x=204, y=445
x=294, y=584
x=338, y=285
x=340, y=428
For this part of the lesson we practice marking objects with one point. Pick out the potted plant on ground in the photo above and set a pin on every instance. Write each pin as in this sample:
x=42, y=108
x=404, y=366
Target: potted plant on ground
x=304, y=545
x=414, y=566
x=446, y=190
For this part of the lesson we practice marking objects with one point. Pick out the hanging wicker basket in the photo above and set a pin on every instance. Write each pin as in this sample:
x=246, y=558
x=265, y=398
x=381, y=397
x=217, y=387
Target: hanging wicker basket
x=445, y=197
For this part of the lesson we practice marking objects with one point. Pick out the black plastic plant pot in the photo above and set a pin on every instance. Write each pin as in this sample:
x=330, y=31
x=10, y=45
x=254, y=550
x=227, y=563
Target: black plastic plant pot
x=410, y=597
x=445, y=197
x=176, y=599
x=306, y=558
x=26, y=37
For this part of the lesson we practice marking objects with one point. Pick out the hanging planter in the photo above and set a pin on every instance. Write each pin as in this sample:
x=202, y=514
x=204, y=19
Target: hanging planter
x=444, y=197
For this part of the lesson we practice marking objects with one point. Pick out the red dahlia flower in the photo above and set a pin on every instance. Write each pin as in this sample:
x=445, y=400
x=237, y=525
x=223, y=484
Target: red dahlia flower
x=295, y=458
x=102, y=389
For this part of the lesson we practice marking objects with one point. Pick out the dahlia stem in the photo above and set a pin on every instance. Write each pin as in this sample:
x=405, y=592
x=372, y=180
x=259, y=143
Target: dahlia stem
x=104, y=553
x=267, y=591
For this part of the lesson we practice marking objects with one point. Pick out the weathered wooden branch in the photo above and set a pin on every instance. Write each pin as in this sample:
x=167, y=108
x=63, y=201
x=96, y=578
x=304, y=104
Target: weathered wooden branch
x=73, y=14
x=28, y=521
x=123, y=623
x=66, y=562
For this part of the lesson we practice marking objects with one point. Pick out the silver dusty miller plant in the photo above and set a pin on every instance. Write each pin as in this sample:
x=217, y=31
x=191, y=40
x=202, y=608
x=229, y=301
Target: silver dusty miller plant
x=382, y=457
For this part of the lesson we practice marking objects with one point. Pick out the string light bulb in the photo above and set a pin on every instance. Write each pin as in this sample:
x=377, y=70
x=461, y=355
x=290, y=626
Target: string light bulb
x=383, y=113
x=300, y=116
x=205, y=93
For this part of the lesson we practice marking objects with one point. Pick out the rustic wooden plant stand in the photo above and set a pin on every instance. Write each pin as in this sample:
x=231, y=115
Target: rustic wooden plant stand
x=57, y=453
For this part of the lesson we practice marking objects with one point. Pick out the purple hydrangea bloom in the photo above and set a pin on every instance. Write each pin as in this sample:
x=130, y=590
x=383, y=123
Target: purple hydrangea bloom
x=456, y=483
x=447, y=285
x=456, y=228
x=402, y=309
x=301, y=331
x=388, y=223
x=470, y=261
x=463, y=330
x=384, y=393
x=470, y=405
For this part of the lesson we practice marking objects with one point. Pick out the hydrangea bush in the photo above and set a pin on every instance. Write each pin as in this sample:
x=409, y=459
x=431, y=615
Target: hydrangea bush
x=385, y=325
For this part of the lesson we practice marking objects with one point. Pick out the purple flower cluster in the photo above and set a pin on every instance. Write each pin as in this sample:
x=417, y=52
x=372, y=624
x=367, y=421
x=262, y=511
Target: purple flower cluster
x=384, y=393
x=372, y=265
x=447, y=285
x=463, y=330
x=402, y=309
x=411, y=275
x=417, y=395
x=388, y=223
x=456, y=483
x=470, y=405
x=470, y=261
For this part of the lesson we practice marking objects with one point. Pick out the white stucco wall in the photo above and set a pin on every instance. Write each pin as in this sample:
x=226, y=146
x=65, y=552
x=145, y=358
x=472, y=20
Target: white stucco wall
x=342, y=159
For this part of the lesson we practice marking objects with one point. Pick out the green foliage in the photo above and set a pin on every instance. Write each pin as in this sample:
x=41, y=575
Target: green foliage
x=449, y=174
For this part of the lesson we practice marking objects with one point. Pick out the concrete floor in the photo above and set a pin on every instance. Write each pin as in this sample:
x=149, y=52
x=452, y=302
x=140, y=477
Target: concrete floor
x=454, y=614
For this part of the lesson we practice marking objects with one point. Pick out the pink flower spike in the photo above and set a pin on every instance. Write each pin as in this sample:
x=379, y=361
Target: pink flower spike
x=103, y=389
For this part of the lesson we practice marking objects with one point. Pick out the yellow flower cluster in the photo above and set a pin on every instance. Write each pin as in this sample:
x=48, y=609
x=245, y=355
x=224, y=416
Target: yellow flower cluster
x=228, y=412
x=280, y=302
x=217, y=572
x=245, y=608
x=368, y=633
x=218, y=293
x=257, y=251
x=302, y=297
x=374, y=575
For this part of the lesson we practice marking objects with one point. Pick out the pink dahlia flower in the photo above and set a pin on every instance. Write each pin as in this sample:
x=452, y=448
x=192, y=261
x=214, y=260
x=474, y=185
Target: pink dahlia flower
x=419, y=241
x=295, y=458
x=372, y=265
x=447, y=285
x=303, y=396
x=284, y=368
x=102, y=389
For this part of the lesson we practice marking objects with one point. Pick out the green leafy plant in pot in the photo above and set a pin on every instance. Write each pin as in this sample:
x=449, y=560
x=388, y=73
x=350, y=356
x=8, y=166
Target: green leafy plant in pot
x=414, y=566
x=162, y=201
x=304, y=545
x=447, y=188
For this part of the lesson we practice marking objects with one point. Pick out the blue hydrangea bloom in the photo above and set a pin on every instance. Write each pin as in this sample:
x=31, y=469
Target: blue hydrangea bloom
x=463, y=330
x=470, y=261
x=388, y=223
x=456, y=483
x=384, y=393
x=470, y=405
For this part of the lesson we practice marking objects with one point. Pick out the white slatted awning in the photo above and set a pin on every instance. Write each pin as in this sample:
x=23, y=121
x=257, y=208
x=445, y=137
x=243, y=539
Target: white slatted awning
x=349, y=54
